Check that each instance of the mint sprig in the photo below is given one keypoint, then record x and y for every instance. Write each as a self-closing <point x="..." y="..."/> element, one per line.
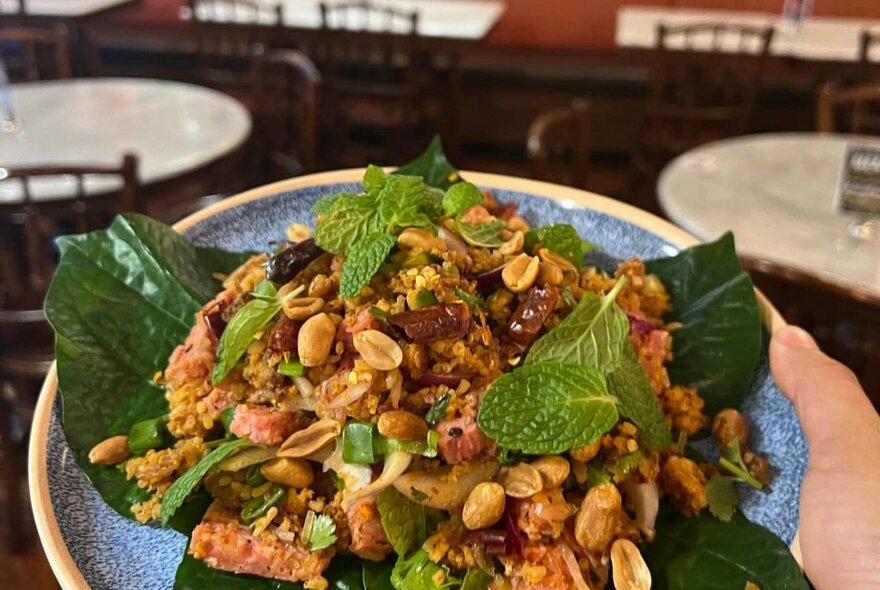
<point x="562" y="238"/>
<point x="363" y="261"/>
<point x="461" y="197"/>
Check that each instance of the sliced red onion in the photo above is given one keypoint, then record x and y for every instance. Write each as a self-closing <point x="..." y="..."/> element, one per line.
<point x="447" y="379"/>
<point x="513" y="542"/>
<point x="489" y="278"/>
<point x="350" y="395"/>
<point x="453" y="242"/>
<point x="639" y="324"/>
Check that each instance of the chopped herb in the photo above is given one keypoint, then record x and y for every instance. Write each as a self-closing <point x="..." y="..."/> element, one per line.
<point x="474" y="301"/>
<point x="461" y="197"/>
<point x="425" y="298"/>
<point x="254" y="476"/>
<point x="291" y="368"/>
<point x="379" y="313"/>
<point x="418" y="494"/>
<point x="568" y="296"/>
<point x="258" y="507"/>
<point x="438" y="409"/>
<point x="323" y="533"/>
<point x="722" y="496"/>
<point x="483" y="235"/>
<point x="733" y="463"/>
<point x="147" y="434"/>
<point x="226" y="417"/>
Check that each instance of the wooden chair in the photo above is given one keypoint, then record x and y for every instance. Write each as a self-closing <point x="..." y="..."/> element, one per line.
<point x="559" y="144"/>
<point x="869" y="55"/>
<point x="286" y="113"/>
<point x="845" y="321"/>
<point x="35" y="54"/>
<point x="855" y="109"/>
<point x="374" y="80"/>
<point x="704" y="88"/>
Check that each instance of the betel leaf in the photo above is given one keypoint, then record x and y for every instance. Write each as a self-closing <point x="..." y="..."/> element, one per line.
<point x="433" y="166"/>
<point x="348" y="220"/>
<point x="718" y="346"/>
<point x="363" y="261"/>
<point x="344" y="573"/>
<point x="403" y="521"/>
<point x="562" y="238"/>
<point x="483" y="235"/>
<point x="547" y="408"/>
<point x="119" y="306"/>
<point x="636" y="402"/>
<point x="461" y="197"/>
<point x="189" y="481"/>
<point x="592" y="335"/>
<point x="703" y="553"/>
<point x="240" y="332"/>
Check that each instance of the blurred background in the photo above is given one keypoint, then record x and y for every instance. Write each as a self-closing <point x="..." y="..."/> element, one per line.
<point x="748" y="115"/>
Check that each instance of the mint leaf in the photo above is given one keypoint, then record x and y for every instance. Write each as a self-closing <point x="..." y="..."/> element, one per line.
<point x="374" y="179"/>
<point x="592" y="335"/>
<point x="323" y="533"/>
<point x="323" y="205"/>
<point x="562" y="238"/>
<point x="405" y="201"/>
<point x="403" y="521"/>
<point x="418" y="572"/>
<point x="433" y="166"/>
<point x="722" y="496"/>
<point x="189" y="481"/>
<point x="547" y="408"/>
<point x="461" y="197"/>
<point x="240" y="332"/>
<point x="484" y="235"/>
<point x="363" y="261"/>
<point x="628" y="383"/>
<point x="348" y="220"/>
<point x="476" y="579"/>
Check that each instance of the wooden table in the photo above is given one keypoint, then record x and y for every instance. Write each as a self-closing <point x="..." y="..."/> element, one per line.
<point x="778" y="194"/>
<point x="62" y="9"/>
<point x="173" y="128"/>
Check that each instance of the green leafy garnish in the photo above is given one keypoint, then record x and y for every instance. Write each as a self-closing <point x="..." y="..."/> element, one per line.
<point x="433" y="166"/>
<point x="403" y="521"/>
<point x="363" y="260"/>
<point x="374" y="179"/>
<point x="323" y="533"/>
<point x="461" y="197"/>
<point x="147" y="434"/>
<point x="562" y="238"/>
<point x="596" y="476"/>
<point x="547" y="408"/>
<point x="405" y="201"/>
<point x="189" y="481"/>
<point x="418" y="572"/>
<point x="258" y="507"/>
<point x="473" y="301"/>
<point x="323" y="205"/>
<point x="722" y="496"/>
<point x="625" y="464"/>
<point x="732" y="462"/>
<point x="568" y="296"/>
<point x="362" y="443"/>
<point x="425" y="298"/>
<point x="476" y="579"/>
<point x="379" y="313"/>
<point x="483" y="235"/>
<point x="348" y="220"/>
<point x="291" y="368"/>
<point x="637" y="402"/>
<point x="438" y="409"/>
<point x="226" y="418"/>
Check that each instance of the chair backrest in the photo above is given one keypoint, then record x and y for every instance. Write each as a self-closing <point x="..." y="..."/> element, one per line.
<point x="854" y="109"/>
<point x="559" y="144"/>
<point x="869" y="55"/>
<point x="35" y="53"/>
<point x="705" y="85"/>
<point x="29" y="224"/>
<point x="844" y="320"/>
<point x="287" y="113"/>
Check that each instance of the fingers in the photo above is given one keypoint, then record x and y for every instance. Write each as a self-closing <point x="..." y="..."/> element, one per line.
<point x="838" y="419"/>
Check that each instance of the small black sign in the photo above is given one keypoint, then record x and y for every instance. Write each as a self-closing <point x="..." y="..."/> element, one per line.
<point x="860" y="182"/>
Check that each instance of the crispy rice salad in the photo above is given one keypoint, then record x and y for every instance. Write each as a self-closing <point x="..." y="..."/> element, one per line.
<point x="428" y="376"/>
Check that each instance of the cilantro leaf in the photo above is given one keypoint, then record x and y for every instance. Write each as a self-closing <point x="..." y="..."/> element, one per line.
<point x="363" y="261"/>
<point x="323" y="533"/>
<point x="461" y="197"/>
<point x="403" y="521"/>
<point x="485" y="235"/>
<point x="547" y="408"/>
<point x="722" y="496"/>
<point x="374" y="179"/>
<point x="348" y="221"/>
<point x="562" y="238"/>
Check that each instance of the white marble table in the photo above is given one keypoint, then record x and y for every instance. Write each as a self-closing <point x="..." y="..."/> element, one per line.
<point x="818" y="38"/>
<point x="61" y="8"/>
<point x="778" y="194"/>
<point x="449" y="19"/>
<point x="173" y="128"/>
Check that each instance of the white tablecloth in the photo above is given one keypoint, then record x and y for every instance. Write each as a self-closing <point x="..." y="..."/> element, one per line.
<point x="778" y="194"/>
<point x="173" y="128"/>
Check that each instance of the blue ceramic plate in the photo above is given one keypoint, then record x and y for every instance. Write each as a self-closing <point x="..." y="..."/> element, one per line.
<point x="89" y="545"/>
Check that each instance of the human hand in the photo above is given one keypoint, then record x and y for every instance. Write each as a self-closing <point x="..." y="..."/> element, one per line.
<point x="840" y="495"/>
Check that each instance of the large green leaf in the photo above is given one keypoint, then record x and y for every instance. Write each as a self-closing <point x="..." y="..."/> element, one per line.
<point x="704" y="553"/>
<point x="433" y="166"/>
<point x="121" y="300"/>
<point x="719" y="344"/>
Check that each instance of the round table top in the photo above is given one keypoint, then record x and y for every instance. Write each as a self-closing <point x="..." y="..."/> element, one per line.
<point x="173" y="128"/>
<point x="778" y="193"/>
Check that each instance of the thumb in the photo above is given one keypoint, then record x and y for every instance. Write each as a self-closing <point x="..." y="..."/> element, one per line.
<point x="841" y="425"/>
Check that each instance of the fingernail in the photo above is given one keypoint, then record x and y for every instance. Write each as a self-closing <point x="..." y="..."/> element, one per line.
<point x="794" y="337"/>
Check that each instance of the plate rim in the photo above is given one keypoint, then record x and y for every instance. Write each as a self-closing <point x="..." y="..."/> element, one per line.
<point x="63" y="566"/>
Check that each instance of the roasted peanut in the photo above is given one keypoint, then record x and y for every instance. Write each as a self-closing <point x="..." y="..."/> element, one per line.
<point x="520" y="273"/>
<point x="321" y="286"/>
<point x="598" y="518"/>
<point x="484" y="506"/>
<point x="111" y="451"/>
<point x="549" y="274"/>
<point x="296" y="473"/>
<point x="297" y="232"/>
<point x="521" y="480"/>
<point x="402" y="425"/>
<point x="585" y="453"/>
<point x="729" y="424"/>
<point x="302" y="308"/>
<point x="378" y="350"/>
<point x="418" y="238"/>
<point x="311" y="439"/>
<point x="517" y="223"/>
<point x="628" y="567"/>
<point x="514" y="245"/>
<point x="315" y="340"/>
<point x="547" y="255"/>
<point x="553" y="470"/>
